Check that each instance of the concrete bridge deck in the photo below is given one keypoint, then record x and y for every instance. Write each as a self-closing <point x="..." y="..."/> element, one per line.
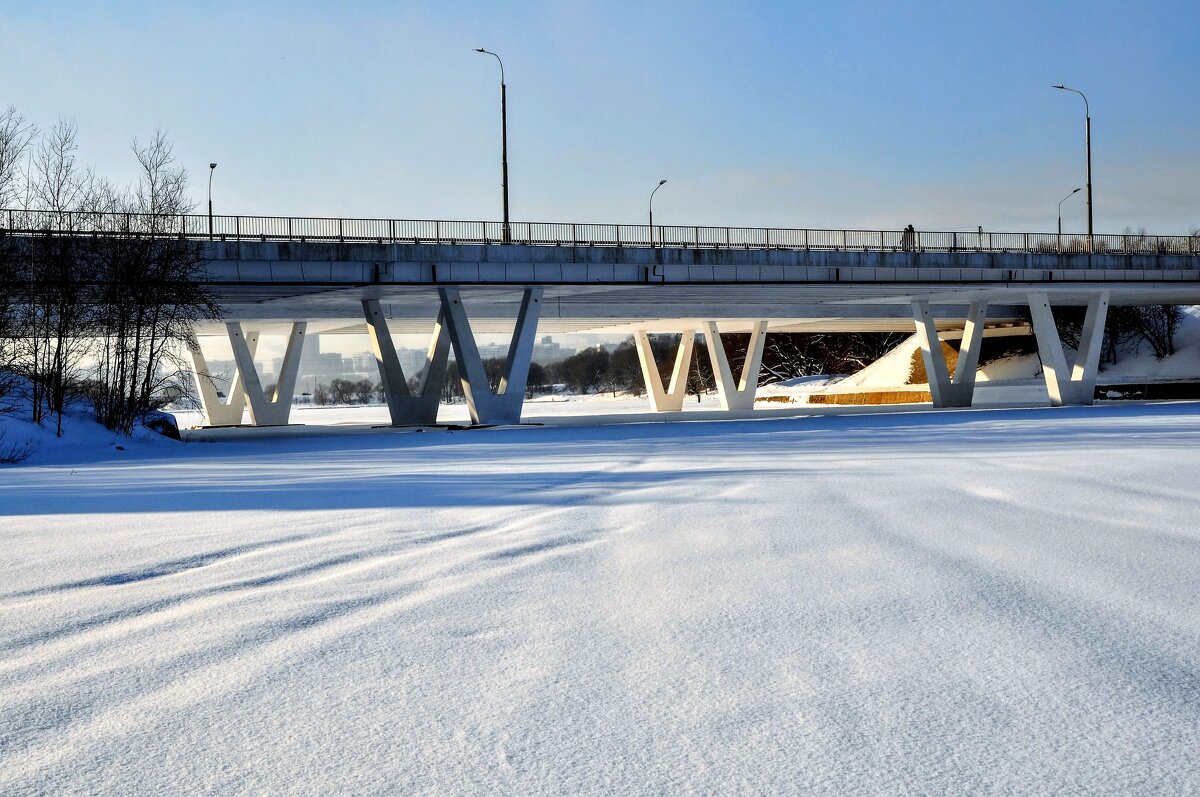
<point x="597" y="288"/>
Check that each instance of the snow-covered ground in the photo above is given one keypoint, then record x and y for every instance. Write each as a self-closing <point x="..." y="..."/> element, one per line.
<point x="935" y="602"/>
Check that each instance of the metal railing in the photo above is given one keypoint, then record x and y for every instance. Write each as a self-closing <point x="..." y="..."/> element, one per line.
<point x="292" y="228"/>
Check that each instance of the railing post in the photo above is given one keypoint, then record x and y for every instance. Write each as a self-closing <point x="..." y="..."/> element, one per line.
<point x="341" y="239"/>
<point x="437" y="231"/>
<point x="881" y="240"/>
<point x="574" y="240"/>
<point x="1026" y="242"/>
<point x="768" y="231"/>
<point x="237" y="228"/>
<point x="391" y="231"/>
<point x="726" y="237"/>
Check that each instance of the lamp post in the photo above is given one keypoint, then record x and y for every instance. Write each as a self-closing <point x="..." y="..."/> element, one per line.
<point x="1087" y="131"/>
<point x="507" y="233"/>
<point x="1064" y="199"/>
<point x="211" y="168"/>
<point x="661" y="183"/>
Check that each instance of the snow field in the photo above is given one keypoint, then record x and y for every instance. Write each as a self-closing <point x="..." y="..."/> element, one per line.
<point x="950" y="602"/>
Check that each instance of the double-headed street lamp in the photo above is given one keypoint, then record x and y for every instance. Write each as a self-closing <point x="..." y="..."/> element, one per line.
<point x="211" y="168"/>
<point x="507" y="233"/>
<point x="1087" y="129"/>
<point x="661" y="183"/>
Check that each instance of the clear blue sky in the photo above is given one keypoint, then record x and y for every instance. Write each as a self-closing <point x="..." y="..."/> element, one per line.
<point x="759" y="113"/>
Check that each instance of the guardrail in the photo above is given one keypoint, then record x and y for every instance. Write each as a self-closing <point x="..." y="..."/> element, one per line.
<point x="290" y="228"/>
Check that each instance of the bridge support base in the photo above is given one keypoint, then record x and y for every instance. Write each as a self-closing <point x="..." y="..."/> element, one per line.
<point x="946" y="390"/>
<point x="671" y="399"/>
<point x="736" y="395"/>
<point x="504" y="404"/>
<point x="276" y="409"/>
<point x="1075" y="384"/>
<point x="216" y="412"/>
<point x="408" y="406"/>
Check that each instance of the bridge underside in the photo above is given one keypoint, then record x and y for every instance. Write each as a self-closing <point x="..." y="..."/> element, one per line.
<point x="842" y="307"/>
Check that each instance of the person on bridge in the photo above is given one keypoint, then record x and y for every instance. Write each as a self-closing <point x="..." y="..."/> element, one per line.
<point x="908" y="240"/>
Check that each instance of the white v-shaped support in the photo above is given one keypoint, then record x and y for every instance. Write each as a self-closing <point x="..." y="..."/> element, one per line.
<point x="946" y="390"/>
<point x="406" y="406"/>
<point x="503" y="405"/>
<point x="264" y="411"/>
<point x="1074" y="384"/>
<point x="737" y="395"/>
<point x="671" y="399"/>
<point x="216" y="412"/>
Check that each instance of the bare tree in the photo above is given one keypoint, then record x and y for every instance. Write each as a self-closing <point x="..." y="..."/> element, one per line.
<point x="364" y="390"/>
<point x="54" y="308"/>
<point x="16" y="134"/>
<point x="151" y="293"/>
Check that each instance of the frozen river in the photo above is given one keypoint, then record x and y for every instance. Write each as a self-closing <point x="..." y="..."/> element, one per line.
<point x="950" y="602"/>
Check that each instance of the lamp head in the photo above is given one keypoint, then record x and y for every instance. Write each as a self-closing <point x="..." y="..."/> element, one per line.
<point x="662" y="182"/>
<point x="212" y="165"/>
<point x="1077" y="190"/>
<point x="480" y="50"/>
<point x="1059" y="86"/>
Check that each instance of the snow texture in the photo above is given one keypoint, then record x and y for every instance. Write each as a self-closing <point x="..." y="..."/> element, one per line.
<point x="939" y="602"/>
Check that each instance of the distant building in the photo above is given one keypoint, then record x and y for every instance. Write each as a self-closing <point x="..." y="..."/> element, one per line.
<point x="546" y="351"/>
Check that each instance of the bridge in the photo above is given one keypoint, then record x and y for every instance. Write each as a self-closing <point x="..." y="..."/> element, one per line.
<point x="455" y="279"/>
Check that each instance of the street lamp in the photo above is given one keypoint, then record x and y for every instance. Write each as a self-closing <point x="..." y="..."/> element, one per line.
<point x="507" y="233"/>
<point x="661" y="183"/>
<point x="1087" y="128"/>
<point x="211" y="168"/>
<point x="1064" y="199"/>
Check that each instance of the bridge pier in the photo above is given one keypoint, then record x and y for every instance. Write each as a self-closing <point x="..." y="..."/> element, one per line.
<point x="406" y="406"/>
<point x="739" y="394"/>
<point x="216" y="412"/>
<point x="1076" y="383"/>
<point x="246" y="389"/>
<point x="504" y="404"/>
<point x="946" y="390"/>
<point x="671" y="399"/>
<point x="276" y="409"/>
